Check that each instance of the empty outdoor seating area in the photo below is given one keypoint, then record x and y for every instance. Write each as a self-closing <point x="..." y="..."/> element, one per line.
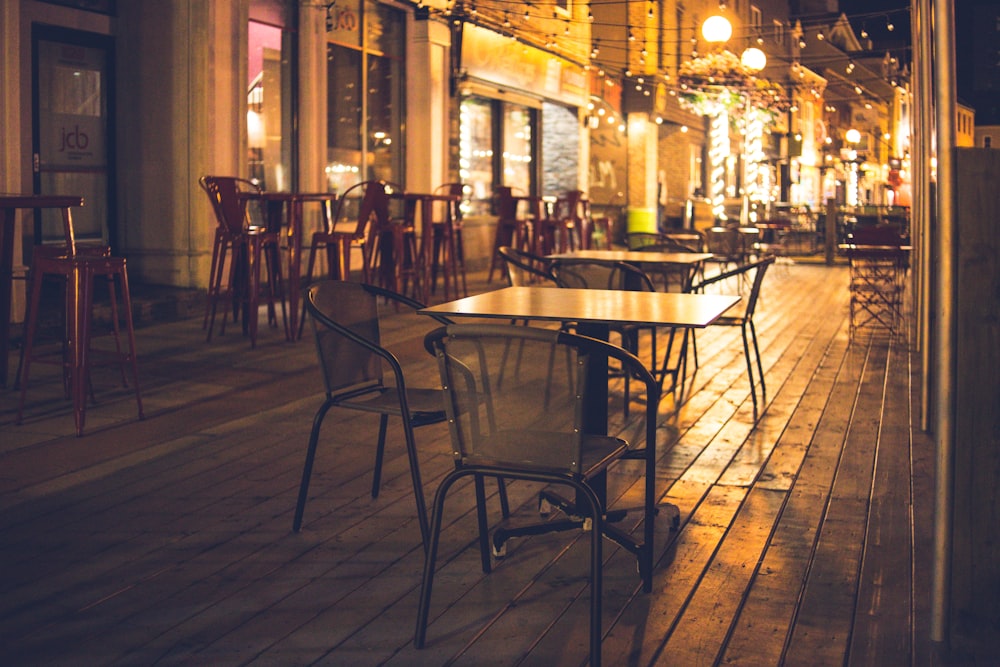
<point x="720" y="523"/>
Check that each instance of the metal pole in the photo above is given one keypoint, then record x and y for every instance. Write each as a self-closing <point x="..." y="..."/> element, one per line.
<point x="921" y="155"/>
<point x="943" y="302"/>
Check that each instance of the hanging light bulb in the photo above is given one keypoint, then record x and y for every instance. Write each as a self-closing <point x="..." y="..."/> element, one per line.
<point x="820" y="36"/>
<point x="802" y="43"/>
<point x="850" y="66"/>
<point x="864" y="33"/>
<point x="888" y="24"/>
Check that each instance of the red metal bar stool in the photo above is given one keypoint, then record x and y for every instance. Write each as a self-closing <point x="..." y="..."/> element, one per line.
<point x="449" y="250"/>
<point x="79" y="270"/>
<point x="511" y="231"/>
<point x="248" y="247"/>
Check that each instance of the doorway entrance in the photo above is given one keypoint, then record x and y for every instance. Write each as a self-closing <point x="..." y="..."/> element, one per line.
<point x="73" y="145"/>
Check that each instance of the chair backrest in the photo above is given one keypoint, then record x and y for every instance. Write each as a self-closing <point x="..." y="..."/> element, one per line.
<point x="230" y="211"/>
<point x="348" y="334"/>
<point x="504" y="204"/>
<point x="454" y="209"/>
<point x="749" y="288"/>
<point x="365" y="204"/>
<point x="724" y="242"/>
<point x="525" y="268"/>
<point x="597" y="274"/>
<point x="515" y="395"/>
<point x="571" y="205"/>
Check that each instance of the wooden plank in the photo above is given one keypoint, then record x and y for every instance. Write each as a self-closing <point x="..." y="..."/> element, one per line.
<point x="826" y="611"/>
<point x="882" y="627"/>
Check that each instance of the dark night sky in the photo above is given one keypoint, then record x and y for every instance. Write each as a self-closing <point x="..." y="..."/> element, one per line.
<point x="978" y="76"/>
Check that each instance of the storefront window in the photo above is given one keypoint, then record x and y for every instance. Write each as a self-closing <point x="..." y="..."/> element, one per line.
<point x="365" y="94"/>
<point x="517" y="147"/>
<point x="269" y="99"/>
<point x="497" y="147"/>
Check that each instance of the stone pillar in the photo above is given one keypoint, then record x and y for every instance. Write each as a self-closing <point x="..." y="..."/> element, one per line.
<point x="427" y="105"/>
<point x="182" y="114"/>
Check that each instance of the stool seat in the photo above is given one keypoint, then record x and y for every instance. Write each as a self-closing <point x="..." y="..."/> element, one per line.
<point x="80" y="272"/>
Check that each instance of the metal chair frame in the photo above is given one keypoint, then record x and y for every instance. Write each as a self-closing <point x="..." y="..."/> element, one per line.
<point x="583" y="470"/>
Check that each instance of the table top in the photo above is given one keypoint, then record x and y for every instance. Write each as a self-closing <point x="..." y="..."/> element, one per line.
<point x="39" y="201"/>
<point x="425" y="196"/>
<point x="636" y="256"/>
<point x="859" y="247"/>
<point x="591" y="305"/>
<point x="268" y="195"/>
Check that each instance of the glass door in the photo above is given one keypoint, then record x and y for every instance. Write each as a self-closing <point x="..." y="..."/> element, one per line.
<point x="73" y="147"/>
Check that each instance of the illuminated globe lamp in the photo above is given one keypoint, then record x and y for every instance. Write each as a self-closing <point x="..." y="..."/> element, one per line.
<point x="753" y="59"/>
<point x="716" y="29"/>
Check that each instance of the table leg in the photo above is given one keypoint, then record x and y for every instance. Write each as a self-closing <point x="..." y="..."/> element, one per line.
<point x="6" y="285"/>
<point x="294" y="267"/>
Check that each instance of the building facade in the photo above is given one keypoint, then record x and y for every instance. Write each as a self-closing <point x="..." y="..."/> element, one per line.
<point x="128" y="103"/>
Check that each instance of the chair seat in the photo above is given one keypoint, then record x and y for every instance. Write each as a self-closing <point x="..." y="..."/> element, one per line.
<point x="507" y="446"/>
<point x="426" y="405"/>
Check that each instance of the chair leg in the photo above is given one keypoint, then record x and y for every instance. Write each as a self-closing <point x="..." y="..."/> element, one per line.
<point x="423" y="607"/>
<point x="753" y="388"/>
<point x="484" y="530"/>
<point x="760" y="365"/>
<point x="418" y="487"/>
<point x="383" y="424"/>
<point x="130" y="335"/>
<point x="215" y="288"/>
<point x="300" y="506"/>
<point x="81" y="300"/>
<point x="29" y="339"/>
<point x="253" y="293"/>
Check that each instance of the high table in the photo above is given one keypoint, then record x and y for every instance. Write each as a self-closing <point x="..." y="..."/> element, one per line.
<point x="292" y="204"/>
<point x="424" y="203"/>
<point x="9" y="203"/>
<point x="592" y="310"/>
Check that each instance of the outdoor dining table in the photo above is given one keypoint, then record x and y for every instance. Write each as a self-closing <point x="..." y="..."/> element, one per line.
<point x="592" y="311"/>
<point x="689" y="260"/>
<point x="9" y="204"/>
<point x="291" y="204"/>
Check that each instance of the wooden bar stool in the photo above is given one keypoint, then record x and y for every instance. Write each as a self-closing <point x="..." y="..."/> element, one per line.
<point x="80" y="270"/>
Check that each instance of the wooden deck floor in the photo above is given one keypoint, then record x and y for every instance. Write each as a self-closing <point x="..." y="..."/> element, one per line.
<point x="804" y="537"/>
